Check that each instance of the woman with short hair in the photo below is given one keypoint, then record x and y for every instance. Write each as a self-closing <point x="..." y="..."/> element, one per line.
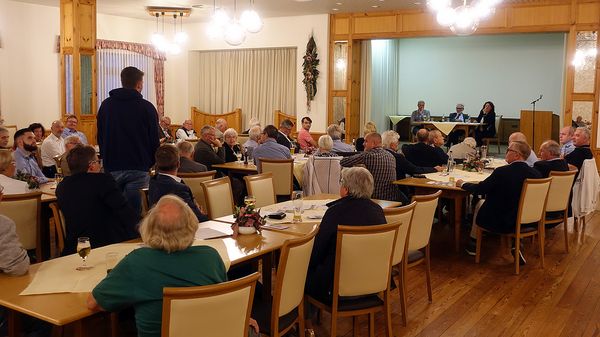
<point x="325" y="146"/>
<point x="7" y="172"/>
<point x="231" y="145"/>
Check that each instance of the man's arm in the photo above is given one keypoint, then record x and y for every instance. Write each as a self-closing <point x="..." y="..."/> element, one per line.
<point x="353" y="160"/>
<point x="13" y="257"/>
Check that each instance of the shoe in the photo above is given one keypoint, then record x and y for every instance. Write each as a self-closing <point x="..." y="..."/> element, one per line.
<point x="522" y="260"/>
<point x="471" y="248"/>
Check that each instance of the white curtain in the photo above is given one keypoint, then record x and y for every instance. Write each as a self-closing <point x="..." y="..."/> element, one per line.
<point x="365" y="84"/>
<point x="110" y="64"/>
<point x="258" y="81"/>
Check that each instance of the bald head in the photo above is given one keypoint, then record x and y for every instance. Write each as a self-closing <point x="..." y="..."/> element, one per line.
<point x="566" y="134"/>
<point x="423" y="136"/>
<point x="517" y="137"/>
<point x="57" y="128"/>
<point x="372" y="140"/>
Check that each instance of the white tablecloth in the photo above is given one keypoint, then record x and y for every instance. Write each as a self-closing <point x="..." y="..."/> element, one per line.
<point x="473" y="177"/>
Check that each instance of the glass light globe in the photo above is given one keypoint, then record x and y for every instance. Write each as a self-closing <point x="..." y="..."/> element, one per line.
<point x="436" y="5"/>
<point x="174" y="48"/>
<point x="235" y="34"/>
<point x="181" y="37"/>
<point x="251" y="21"/>
<point x="483" y="9"/>
<point x="340" y="64"/>
<point x="466" y="22"/>
<point x="159" y="41"/>
<point x="220" y="18"/>
<point x="446" y="17"/>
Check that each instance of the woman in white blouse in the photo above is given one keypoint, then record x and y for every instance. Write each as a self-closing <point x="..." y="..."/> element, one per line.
<point x="7" y="171"/>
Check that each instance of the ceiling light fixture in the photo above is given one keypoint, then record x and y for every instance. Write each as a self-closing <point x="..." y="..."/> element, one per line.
<point x="464" y="19"/>
<point x="159" y="39"/>
<point x="233" y="30"/>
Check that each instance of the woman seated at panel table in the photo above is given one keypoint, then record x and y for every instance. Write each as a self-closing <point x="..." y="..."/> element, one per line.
<point x="167" y="260"/>
<point x="487" y="116"/>
<point x="7" y="172"/>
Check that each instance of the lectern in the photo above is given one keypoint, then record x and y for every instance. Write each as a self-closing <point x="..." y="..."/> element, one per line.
<point x="539" y="126"/>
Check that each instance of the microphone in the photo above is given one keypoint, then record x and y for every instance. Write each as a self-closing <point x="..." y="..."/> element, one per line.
<point x="535" y="101"/>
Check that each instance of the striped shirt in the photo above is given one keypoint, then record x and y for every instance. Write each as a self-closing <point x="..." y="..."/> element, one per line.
<point x="382" y="166"/>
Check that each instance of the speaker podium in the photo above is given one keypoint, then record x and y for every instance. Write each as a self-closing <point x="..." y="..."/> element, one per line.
<point x="538" y="127"/>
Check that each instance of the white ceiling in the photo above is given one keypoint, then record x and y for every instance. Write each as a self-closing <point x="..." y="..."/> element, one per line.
<point x="266" y="8"/>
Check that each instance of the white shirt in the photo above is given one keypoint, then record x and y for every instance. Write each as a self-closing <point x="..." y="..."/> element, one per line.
<point x="176" y="178"/>
<point x="180" y="134"/>
<point x="13" y="186"/>
<point x="52" y="146"/>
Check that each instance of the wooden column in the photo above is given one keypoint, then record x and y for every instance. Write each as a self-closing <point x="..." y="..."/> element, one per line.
<point x="78" y="63"/>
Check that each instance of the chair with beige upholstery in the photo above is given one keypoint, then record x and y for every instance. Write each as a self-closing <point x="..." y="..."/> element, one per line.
<point x="145" y="202"/>
<point x="496" y="138"/>
<point x="215" y="310"/>
<point x="287" y="309"/>
<point x="420" y="232"/>
<point x="219" y="198"/>
<point x="403" y="215"/>
<point x="194" y="180"/>
<point x="558" y="200"/>
<point x="60" y="231"/>
<point x="355" y="291"/>
<point x="532" y="206"/>
<point x="25" y="211"/>
<point x="260" y="186"/>
<point x="283" y="174"/>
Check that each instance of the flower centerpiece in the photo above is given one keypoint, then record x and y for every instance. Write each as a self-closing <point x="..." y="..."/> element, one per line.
<point x="32" y="181"/>
<point x="473" y="164"/>
<point x="247" y="220"/>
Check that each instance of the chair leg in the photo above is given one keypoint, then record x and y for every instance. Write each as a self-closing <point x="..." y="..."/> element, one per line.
<point x="428" y="273"/>
<point x="575" y="224"/>
<point x="402" y="291"/>
<point x="566" y="221"/>
<point x="333" y="322"/>
<point x="371" y="324"/>
<point x="301" y="324"/>
<point x="478" y="244"/>
<point x="114" y="324"/>
<point x="542" y="240"/>
<point x="387" y="310"/>
<point x="517" y="252"/>
<point x="355" y="326"/>
<point x="583" y="223"/>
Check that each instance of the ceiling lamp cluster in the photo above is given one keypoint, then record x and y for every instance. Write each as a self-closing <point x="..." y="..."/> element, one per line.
<point x="159" y="39"/>
<point x="234" y="29"/>
<point x="464" y="19"/>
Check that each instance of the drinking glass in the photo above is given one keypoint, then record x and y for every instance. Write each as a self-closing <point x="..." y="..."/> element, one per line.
<point x="111" y="259"/>
<point x="483" y="151"/>
<point x="249" y="200"/>
<point x="297" y="204"/>
<point x="58" y="177"/>
<point x="239" y="156"/>
<point x="292" y="150"/>
<point x="83" y="249"/>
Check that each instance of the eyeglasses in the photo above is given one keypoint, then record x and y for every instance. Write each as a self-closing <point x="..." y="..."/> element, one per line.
<point x="511" y="150"/>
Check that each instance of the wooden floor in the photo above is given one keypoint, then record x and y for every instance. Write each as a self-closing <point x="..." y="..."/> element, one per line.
<point x="489" y="300"/>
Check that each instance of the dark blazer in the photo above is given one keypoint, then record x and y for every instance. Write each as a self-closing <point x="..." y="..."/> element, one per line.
<point x="230" y="152"/>
<point x="502" y="190"/>
<point x="204" y="154"/>
<point x="404" y="167"/>
<point x="189" y="166"/>
<point x="161" y="185"/>
<point x="424" y="155"/>
<point x="94" y="206"/>
<point x="283" y="140"/>
<point x="545" y="166"/>
<point x="578" y="155"/>
<point x="344" y="211"/>
<point x="452" y="117"/>
<point x="489" y="129"/>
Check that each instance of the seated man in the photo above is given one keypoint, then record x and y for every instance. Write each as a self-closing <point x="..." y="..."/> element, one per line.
<point x="436" y="140"/>
<point x="419" y="115"/>
<point x="422" y="154"/>
<point x="283" y="137"/>
<point x="186" y="159"/>
<point x="70" y="143"/>
<point x="520" y="137"/>
<point x="382" y="164"/>
<point x="390" y="141"/>
<point x="93" y="204"/>
<point x="581" y="140"/>
<point x="457" y="117"/>
<point x="305" y="140"/>
<point x="335" y="132"/>
<point x="353" y="208"/>
<point x="71" y="129"/>
<point x="26" y="149"/>
<point x="550" y="159"/>
<point x="253" y="138"/>
<point x="52" y="146"/>
<point x="464" y="149"/>
<point x="186" y="131"/>
<point x="269" y="147"/>
<point x="164" y="130"/>
<point x="166" y="180"/>
<point x="502" y="190"/>
<point x="204" y="152"/>
<point x="566" y="140"/>
<point x="4" y="138"/>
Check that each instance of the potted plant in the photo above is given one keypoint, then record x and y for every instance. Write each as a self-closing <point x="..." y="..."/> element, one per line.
<point x="247" y="220"/>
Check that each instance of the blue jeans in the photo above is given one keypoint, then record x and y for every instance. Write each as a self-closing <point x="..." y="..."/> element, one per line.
<point x="131" y="182"/>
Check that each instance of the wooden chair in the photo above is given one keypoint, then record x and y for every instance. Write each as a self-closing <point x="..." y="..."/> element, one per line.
<point x="145" y="201"/>
<point x="363" y="264"/>
<point x="532" y="205"/>
<point x="403" y="215"/>
<point x="60" y="229"/>
<point x="25" y="210"/>
<point x="219" y="198"/>
<point x="558" y="200"/>
<point x="283" y="174"/>
<point x="488" y="140"/>
<point x="420" y="232"/>
<point x="194" y="182"/>
<point x="287" y="309"/>
<point x="261" y="187"/>
<point x="215" y="310"/>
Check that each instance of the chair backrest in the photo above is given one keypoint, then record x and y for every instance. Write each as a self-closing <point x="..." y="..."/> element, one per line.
<point x="363" y="259"/>
<point x="322" y="175"/>
<point x="25" y="211"/>
<point x="291" y="276"/>
<point x="498" y="123"/>
<point x="261" y="187"/>
<point x="219" y="198"/>
<point x="145" y="202"/>
<point x="422" y="220"/>
<point x="532" y="203"/>
<point x="560" y="190"/>
<point x="403" y="215"/>
<point x="194" y="180"/>
<point x="216" y="310"/>
<point x="283" y="174"/>
<point x="59" y="225"/>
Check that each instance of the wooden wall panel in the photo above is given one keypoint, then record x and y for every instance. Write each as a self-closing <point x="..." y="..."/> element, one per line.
<point x="375" y="24"/>
<point x="88" y="127"/>
<point x="541" y="15"/>
<point x="67" y="21"/>
<point x="341" y="25"/>
<point x="413" y="22"/>
<point x="498" y="20"/>
<point x="86" y="26"/>
<point x="588" y="13"/>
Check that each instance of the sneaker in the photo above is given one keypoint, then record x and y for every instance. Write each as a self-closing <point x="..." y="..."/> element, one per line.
<point x="471" y="248"/>
<point x="522" y="260"/>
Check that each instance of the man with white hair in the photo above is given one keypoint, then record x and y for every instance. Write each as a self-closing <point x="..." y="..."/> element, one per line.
<point x="581" y="140"/>
<point x="390" y="141"/>
<point x="520" y="137"/>
<point x="52" y="146"/>
<point x="459" y="117"/>
<point x="253" y="138"/>
<point x="186" y="131"/>
<point x="566" y="140"/>
<point x="164" y="131"/>
<point x="335" y="132"/>
<point x="186" y="159"/>
<point x="464" y="149"/>
<point x="550" y="159"/>
<point x="220" y="127"/>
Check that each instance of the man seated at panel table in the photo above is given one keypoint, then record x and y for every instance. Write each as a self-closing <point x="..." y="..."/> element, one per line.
<point x="581" y="140"/>
<point x="335" y="132"/>
<point x="382" y="164"/>
<point x="458" y="117"/>
<point x="166" y="180"/>
<point x="419" y="115"/>
<point x="24" y="154"/>
<point x="353" y="208"/>
<point x="92" y="203"/>
<point x="167" y="259"/>
<point x="186" y="159"/>
<point x="502" y="190"/>
<point x="269" y="147"/>
<point x="52" y="146"/>
<point x="422" y="153"/>
<point x="550" y="159"/>
<point x="520" y="137"/>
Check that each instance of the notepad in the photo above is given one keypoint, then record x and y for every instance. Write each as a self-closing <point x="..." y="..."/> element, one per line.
<point x="209" y="233"/>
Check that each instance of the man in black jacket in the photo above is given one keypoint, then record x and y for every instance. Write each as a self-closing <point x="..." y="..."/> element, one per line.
<point x="186" y="159"/>
<point x="93" y="204"/>
<point x="166" y="180"/>
<point x="550" y="159"/>
<point x="283" y="137"/>
<point x="581" y="140"/>
<point x="422" y="154"/>
<point x="127" y="136"/>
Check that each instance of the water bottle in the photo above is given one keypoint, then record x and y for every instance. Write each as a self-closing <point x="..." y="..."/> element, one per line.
<point x="450" y="164"/>
<point x="483" y="151"/>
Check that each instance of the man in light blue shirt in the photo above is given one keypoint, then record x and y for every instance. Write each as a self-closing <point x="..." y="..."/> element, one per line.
<point x="566" y="140"/>
<point x="24" y="155"/>
<point x="71" y="129"/>
<point x="419" y="115"/>
<point x="269" y="148"/>
<point x="335" y="132"/>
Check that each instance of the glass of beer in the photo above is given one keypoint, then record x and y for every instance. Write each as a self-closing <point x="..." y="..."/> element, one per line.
<point x="297" y="204"/>
<point x="292" y="150"/>
<point x="83" y="249"/>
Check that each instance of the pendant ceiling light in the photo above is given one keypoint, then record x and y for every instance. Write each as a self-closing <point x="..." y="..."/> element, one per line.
<point x="233" y="30"/>
<point x="159" y="39"/>
<point x="464" y="19"/>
